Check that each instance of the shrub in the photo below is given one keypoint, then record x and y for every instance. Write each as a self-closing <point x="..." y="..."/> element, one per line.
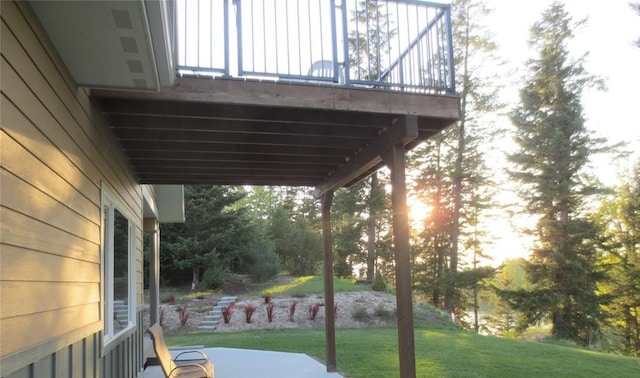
<point x="227" y="312"/>
<point x="313" y="311"/>
<point x="378" y="283"/>
<point x="214" y="271"/>
<point x="360" y="314"/>
<point x="270" y="307"/>
<point x="266" y="266"/>
<point x="292" y="310"/>
<point x="248" y="312"/>
<point x="382" y="312"/>
<point x="213" y="278"/>
<point x="267" y="298"/>
<point x="184" y="315"/>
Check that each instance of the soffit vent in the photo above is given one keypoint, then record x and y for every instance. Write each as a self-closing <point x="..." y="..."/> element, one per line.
<point x="122" y="19"/>
<point x="110" y="44"/>
<point x="129" y="45"/>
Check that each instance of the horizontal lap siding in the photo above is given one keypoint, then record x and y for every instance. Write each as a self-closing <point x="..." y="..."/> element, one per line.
<point x="56" y="153"/>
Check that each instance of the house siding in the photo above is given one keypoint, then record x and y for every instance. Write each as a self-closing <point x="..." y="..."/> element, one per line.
<point x="56" y="153"/>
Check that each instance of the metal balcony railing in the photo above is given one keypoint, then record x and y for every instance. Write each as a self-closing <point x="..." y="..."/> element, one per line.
<point x="400" y="45"/>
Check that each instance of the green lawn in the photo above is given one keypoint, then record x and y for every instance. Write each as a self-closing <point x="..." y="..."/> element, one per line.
<point x="301" y="286"/>
<point x="373" y="352"/>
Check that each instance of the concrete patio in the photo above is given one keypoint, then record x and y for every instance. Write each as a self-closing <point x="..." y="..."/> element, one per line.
<point x="246" y="363"/>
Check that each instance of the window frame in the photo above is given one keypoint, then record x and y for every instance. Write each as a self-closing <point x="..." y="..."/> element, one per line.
<point x="110" y="203"/>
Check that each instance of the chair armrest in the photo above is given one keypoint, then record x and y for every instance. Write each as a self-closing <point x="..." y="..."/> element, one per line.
<point x="204" y="356"/>
<point x="206" y="373"/>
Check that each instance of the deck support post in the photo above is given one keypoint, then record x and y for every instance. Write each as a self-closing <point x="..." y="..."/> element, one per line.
<point x="395" y="160"/>
<point x="151" y="226"/>
<point x="330" y="326"/>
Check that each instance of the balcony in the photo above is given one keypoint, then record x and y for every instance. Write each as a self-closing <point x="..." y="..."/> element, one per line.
<point x="390" y="45"/>
<point x="287" y="92"/>
<point x="263" y="92"/>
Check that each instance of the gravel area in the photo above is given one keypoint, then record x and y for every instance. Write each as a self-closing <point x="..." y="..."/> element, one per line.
<point x="355" y="309"/>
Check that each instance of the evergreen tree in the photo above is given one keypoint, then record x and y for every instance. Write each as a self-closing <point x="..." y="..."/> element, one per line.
<point x="619" y="218"/>
<point x="553" y="150"/>
<point x="370" y="34"/>
<point x="217" y="236"/>
<point x="473" y="45"/>
<point x="369" y="40"/>
<point x="376" y="206"/>
<point x="294" y="226"/>
<point x="501" y="319"/>
<point x="453" y="176"/>
<point x="349" y="224"/>
<point x="431" y="250"/>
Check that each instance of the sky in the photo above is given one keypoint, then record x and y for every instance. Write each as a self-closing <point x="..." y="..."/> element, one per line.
<point x="608" y="37"/>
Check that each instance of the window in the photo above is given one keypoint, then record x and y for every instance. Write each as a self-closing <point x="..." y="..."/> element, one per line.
<point x="118" y="268"/>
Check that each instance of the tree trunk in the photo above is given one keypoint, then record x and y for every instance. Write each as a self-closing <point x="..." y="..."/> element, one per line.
<point x="455" y="232"/>
<point x="371" y="228"/>
<point x="196" y="278"/>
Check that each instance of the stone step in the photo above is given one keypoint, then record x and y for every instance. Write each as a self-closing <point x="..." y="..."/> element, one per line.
<point x="212" y="319"/>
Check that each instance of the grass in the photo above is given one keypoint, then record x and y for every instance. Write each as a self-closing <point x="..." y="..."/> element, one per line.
<point x="303" y="286"/>
<point x="439" y="352"/>
<point x="181" y="293"/>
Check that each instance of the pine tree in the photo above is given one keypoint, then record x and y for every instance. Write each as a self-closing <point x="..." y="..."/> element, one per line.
<point x="453" y="176"/>
<point x="553" y="150"/>
<point x="369" y="40"/>
<point x="206" y="233"/>
<point x="473" y="45"/>
<point x="619" y="217"/>
<point x="349" y="222"/>
<point x="294" y="226"/>
<point x="376" y="203"/>
<point x="501" y="319"/>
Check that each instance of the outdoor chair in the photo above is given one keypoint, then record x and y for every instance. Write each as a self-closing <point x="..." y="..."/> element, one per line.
<point x="324" y="69"/>
<point x="178" y="366"/>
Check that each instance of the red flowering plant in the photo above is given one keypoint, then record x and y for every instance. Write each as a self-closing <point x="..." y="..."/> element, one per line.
<point x="248" y="312"/>
<point x="313" y="311"/>
<point x="270" y="307"/>
<point x="292" y="310"/>
<point x="183" y="314"/>
<point x="227" y="312"/>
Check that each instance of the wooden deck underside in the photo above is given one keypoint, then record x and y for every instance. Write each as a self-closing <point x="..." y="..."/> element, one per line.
<point x="205" y="131"/>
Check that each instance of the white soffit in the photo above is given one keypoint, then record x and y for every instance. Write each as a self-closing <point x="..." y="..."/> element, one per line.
<point x="108" y="44"/>
<point x="170" y="203"/>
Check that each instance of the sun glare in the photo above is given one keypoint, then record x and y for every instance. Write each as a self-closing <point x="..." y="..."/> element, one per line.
<point x="418" y="212"/>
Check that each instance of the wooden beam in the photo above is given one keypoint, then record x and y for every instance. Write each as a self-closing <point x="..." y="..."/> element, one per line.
<point x="402" y="131"/>
<point x="252" y="139"/>
<point x="404" y="298"/>
<point x="330" y="326"/>
<point x="239" y="126"/>
<point x="203" y="146"/>
<point x="282" y="94"/>
<point x="112" y="105"/>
